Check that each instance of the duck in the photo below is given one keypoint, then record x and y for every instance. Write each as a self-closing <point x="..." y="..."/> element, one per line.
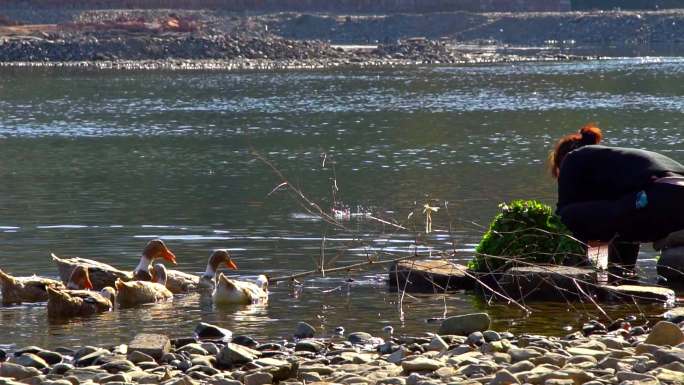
<point x="103" y="275"/>
<point x="207" y="281"/>
<point x="229" y="291"/>
<point x="134" y="293"/>
<point x="77" y="299"/>
<point x="18" y="290"/>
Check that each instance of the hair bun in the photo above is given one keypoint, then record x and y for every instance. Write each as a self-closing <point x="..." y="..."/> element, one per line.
<point x="591" y="134"/>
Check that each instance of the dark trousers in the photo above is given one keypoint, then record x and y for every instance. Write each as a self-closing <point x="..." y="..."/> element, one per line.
<point x="621" y="222"/>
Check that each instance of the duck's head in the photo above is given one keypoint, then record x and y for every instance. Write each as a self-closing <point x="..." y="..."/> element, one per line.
<point x="79" y="279"/>
<point x="262" y="282"/>
<point x="157" y="249"/>
<point x="159" y="274"/>
<point x="109" y="293"/>
<point x="217" y="258"/>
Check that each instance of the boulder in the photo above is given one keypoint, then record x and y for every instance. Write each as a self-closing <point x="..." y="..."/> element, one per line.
<point x="154" y="345"/>
<point x="429" y="276"/>
<point x="665" y="333"/>
<point x="465" y="324"/>
<point x="547" y="282"/>
<point x="304" y="330"/>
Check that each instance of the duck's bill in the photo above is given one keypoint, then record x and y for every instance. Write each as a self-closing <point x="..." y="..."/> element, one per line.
<point x="88" y="284"/>
<point x="169" y="256"/>
<point x="231" y="265"/>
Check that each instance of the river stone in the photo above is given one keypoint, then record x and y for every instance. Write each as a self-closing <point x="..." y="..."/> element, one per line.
<point x="491" y="336"/>
<point x="206" y="330"/>
<point x="258" y="379"/>
<point x="16" y="371"/>
<point x="522" y="354"/>
<point x="360" y="338"/>
<point x="397" y="356"/>
<point x="309" y="345"/>
<point x="421" y="364"/>
<point x="631" y="376"/>
<point x="437" y="344"/>
<point x="30" y="360"/>
<point x="193" y="348"/>
<point x="503" y="377"/>
<point x="320" y="369"/>
<point x="465" y="324"/>
<point x="666" y="356"/>
<point x="61" y="368"/>
<point x="598" y="354"/>
<point x="154" y="345"/>
<point x="665" y="333"/>
<point x="210" y="347"/>
<point x="304" y="330"/>
<point x="138" y="356"/>
<point x="118" y="366"/>
<point x="233" y="354"/>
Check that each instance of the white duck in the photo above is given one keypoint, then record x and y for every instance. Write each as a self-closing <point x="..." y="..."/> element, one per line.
<point x="229" y="291"/>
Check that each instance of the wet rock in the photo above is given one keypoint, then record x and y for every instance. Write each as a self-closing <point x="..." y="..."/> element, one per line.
<point x="665" y="333"/>
<point x="397" y="356"/>
<point x="637" y="293"/>
<point x="421" y="364"/>
<point x="210" y="347"/>
<point x="476" y="338"/>
<point x="491" y="335"/>
<point x="245" y="341"/>
<point x="258" y="379"/>
<point x="465" y="324"/>
<point x="304" y="330"/>
<point x="429" y="275"/>
<point x="154" y="345"/>
<point x="233" y="354"/>
<point x="671" y="265"/>
<point x="30" y="360"/>
<point x="542" y="282"/>
<point x="208" y="370"/>
<point x="209" y="331"/>
<point x="16" y="371"/>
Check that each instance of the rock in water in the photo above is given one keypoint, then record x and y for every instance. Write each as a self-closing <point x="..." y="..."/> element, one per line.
<point x="155" y="345"/>
<point x="30" y="360"/>
<point x="360" y="338"/>
<point x="665" y="333"/>
<point x="547" y="282"/>
<point x="205" y="330"/>
<point x="638" y="293"/>
<point x="465" y="324"/>
<point x="304" y="330"/>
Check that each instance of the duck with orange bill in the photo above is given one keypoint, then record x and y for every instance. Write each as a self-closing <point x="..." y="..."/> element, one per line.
<point x="18" y="290"/>
<point x="103" y="275"/>
<point x="133" y="293"/>
<point x="78" y="300"/>
<point x="220" y="256"/>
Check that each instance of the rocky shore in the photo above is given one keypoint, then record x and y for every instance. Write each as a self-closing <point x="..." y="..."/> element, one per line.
<point x="465" y="351"/>
<point x="125" y="50"/>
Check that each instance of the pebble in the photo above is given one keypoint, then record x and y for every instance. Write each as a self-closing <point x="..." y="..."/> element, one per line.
<point x="465" y="324"/>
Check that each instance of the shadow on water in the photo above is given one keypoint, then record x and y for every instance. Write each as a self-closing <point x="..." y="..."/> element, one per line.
<point x="94" y="164"/>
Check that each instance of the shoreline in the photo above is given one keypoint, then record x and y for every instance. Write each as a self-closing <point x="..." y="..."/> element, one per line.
<point x="277" y="65"/>
<point x="465" y="351"/>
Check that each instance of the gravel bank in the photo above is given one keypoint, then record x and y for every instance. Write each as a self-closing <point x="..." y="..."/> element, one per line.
<point x="465" y="352"/>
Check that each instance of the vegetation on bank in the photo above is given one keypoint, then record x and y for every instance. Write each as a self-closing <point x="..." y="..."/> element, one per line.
<point x="526" y="231"/>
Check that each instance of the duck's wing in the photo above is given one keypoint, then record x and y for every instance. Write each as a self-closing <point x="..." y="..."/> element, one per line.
<point x="101" y="274"/>
<point x="179" y="282"/>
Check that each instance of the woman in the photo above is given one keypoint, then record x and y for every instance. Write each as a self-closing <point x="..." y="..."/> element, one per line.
<point x="618" y="195"/>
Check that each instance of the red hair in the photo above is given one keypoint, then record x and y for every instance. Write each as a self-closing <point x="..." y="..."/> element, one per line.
<point x="587" y="135"/>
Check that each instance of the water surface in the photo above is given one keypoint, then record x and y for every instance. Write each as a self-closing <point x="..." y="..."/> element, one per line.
<point x="95" y="163"/>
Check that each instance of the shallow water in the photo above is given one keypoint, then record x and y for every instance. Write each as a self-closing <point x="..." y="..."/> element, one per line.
<point x="94" y="164"/>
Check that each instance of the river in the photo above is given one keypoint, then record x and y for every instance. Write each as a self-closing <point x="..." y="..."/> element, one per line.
<point x="96" y="163"/>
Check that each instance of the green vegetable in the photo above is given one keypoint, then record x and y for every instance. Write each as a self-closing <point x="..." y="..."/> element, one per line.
<point x="526" y="231"/>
